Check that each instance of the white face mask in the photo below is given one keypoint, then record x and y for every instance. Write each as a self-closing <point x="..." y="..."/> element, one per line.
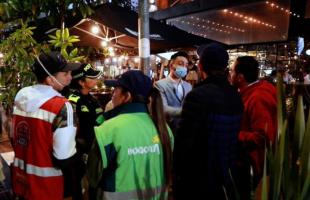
<point x="180" y="71"/>
<point x="60" y="84"/>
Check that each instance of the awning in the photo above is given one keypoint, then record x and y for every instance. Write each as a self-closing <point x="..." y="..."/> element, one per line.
<point x="122" y="24"/>
<point x="239" y="22"/>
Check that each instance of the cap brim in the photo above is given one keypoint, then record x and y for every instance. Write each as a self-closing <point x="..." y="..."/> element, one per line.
<point x="71" y="67"/>
<point x="94" y="74"/>
<point x="112" y="83"/>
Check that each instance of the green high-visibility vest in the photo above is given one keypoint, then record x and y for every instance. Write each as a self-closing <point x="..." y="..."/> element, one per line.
<point x="132" y="157"/>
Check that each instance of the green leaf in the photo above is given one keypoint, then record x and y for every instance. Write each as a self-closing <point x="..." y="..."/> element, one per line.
<point x="73" y="40"/>
<point x="53" y="42"/>
<point x="58" y="44"/>
<point x="305" y="194"/>
<point x="58" y="34"/>
<point x="299" y="128"/>
<point x="278" y="166"/>
<point x="74" y="52"/>
<point x="66" y="34"/>
<point x="64" y="53"/>
<point x="52" y="37"/>
<point x="265" y="178"/>
<point x="305" y="153"/>
<point x="280" y="96"/>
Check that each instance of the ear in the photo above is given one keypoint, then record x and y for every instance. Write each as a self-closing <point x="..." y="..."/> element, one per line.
<point x="49" y="80"/>
<point x="170" y="66"/>
<point x="240" y="78"/>
<point x="81" y="83"/>
<point x="128" y="97"/>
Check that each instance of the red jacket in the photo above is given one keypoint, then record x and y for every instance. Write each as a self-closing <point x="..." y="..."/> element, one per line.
<point x="34" y="176"/>
<point x="259" y="122"/>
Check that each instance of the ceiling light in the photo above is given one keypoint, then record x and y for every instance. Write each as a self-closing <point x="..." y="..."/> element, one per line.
<point x="308" y="52"/>
<point x="95" y="29"/>
<point x="104" y="43"/>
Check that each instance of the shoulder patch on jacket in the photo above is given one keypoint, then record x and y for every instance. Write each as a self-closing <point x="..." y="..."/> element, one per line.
<point x="74" y="98"/>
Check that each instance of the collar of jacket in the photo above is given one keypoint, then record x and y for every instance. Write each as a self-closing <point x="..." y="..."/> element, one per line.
<point x="126" y="108"/>
<point x="216" y="79"/>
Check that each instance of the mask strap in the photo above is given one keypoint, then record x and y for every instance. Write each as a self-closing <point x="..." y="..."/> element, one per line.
<point x="48" y="72"/>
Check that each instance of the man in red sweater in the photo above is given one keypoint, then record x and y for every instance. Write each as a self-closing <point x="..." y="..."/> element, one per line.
<point x="258" y="123"/>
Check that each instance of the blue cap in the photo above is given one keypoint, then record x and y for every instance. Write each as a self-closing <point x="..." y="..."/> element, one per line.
<point x="134" y="81"/>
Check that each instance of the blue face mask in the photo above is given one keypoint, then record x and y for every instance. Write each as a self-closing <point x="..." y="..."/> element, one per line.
<point x="180" y="71"/>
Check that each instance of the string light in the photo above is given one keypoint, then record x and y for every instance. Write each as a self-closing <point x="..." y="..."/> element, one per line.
<point x="287" y="11"/>
<point x="218" y="24"/>
<point x="215" y="26"/>
<point x="248" y="19"/>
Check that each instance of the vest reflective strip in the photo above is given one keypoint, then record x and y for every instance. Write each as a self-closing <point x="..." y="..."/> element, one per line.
<point x="39" y="114"/>
<point x="35" y="170"/>
<point x="136" y="194"/>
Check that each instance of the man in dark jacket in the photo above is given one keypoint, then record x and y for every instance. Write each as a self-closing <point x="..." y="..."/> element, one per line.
<point x="205" y="144"/>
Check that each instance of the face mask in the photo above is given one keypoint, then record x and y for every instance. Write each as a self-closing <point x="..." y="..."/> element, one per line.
<point x="180" y="71"/>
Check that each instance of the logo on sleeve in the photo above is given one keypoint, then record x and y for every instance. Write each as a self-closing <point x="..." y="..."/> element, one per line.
<point x="84" y="108"/>
<point x="22" y="133"/>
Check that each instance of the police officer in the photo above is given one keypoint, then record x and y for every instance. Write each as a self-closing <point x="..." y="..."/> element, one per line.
<point x="88" y="112"/>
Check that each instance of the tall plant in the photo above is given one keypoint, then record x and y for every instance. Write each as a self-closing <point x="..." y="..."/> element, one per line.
<point x="20" y="47"/>
<point x="19" y="50"/>
<point x="289" y="163"/>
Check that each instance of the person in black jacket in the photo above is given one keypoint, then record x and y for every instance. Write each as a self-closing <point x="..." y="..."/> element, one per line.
<point x="89" y="114"/>
<point x="205" y="143"/>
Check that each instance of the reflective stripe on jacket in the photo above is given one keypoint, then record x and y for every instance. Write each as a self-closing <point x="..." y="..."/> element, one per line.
<point x="34" y="176"/>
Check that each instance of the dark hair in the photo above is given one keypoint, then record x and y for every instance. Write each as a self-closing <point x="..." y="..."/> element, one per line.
<point x="248" y="66"/>
<point x="41" y="77"/>
<point x="213" y="58"/>
<point x="159" y="119"/>
<point x="135" y="98"/>
<point x="179" y="53"/>
<point x="75" y="83"/>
